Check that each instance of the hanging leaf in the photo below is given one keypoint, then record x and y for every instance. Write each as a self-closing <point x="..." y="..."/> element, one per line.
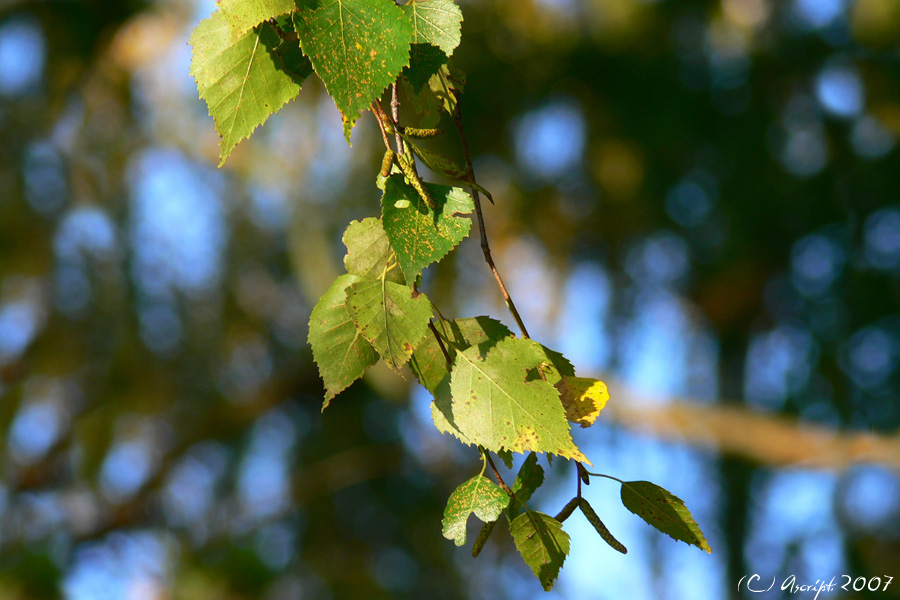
<point x="543" y="544"/>
<point x="430" y="364"/>
<point x="425" y="61"/>
<point x="239" y="78"/>
<point x="663" y="510"/>
<point x="529" y="479"/>
<point x="583" y="398"/>
<point x="358" y="47"/>
<point x="340" y="352"/>
<point x="369" y="251"/>
<point x="478" y="495"/>
<point x="389" y="317"/>
<point x="436" y="22"/>
<point x="243" y="15"/>
<point x="419" y="235"/>
<point x="494" y="406"/>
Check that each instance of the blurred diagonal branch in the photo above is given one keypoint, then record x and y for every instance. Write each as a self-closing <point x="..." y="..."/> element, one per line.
<point x="768" y="439"/>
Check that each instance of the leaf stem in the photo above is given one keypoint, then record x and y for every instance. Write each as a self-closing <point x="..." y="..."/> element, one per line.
<point x="378" y="118"/>
<point x="606" y="476"/>
<point x="440" y="342"/>
<point x="395" y="115"/>
<point x="500" y="481"/>
<point x="485" y="246"/>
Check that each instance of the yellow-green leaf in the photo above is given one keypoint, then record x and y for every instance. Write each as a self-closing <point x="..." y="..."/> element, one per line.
<point x="583" y="398"/>
<point x="663" y="510"/>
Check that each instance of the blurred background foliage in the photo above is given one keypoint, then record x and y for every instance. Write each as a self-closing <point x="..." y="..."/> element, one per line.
<point x="697" y="200"/>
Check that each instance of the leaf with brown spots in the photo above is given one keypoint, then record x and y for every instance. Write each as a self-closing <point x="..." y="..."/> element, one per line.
<point x="388" y="316"/>
<point x="419" y="235"/>
<point x="357" y="47"/>
<point x="494" y="406"/>
<point x="664" y="510"/>
<point x="478" y="495"/>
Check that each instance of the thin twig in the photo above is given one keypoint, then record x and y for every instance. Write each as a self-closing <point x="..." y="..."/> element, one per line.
<point x="500" y="481"/>
<point x="378" y="118"/>
<point x="395" y="115"/>
<point x="485" y="246"/>
<point x="440" y="343"/>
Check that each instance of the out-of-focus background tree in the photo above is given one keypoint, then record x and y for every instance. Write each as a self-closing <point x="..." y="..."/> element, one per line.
<point x="698" y="200"/>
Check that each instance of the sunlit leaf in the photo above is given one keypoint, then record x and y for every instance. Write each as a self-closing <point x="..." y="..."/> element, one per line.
<point x="389" y="317"/>
<point x="435" y="22"/>
<point x="357" y="47"/>
<point x="419" y="235"/>
<point x="663" y="510"/>
<point x="243" y="15"/>
<point x="494" y="406"/>
<point x="239" y="78"/>
<point x="340" y="352"/>
<point x="583" y="398"/>
<point x="369" y="251"/>
<point x="543" y="544"/>
<point x="478" y="495"/>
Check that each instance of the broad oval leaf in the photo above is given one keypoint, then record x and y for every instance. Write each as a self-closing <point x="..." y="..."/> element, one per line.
<point x="357" y="47"/>
<point x="242" y="79"/>
<point x="243" y="15"/>
<point x="389" y="317"/>
<point x="494" y="406"/>
<point x="478" y="495"/>
<point x="543" y="544"/>
<point x="436" y="22"/>
<point x="339" y="350"/>
<point x="583" y="398"/>
<point x="419" y="235"/>
<point x="663" y="510"/>
<point x="369" y="251"/>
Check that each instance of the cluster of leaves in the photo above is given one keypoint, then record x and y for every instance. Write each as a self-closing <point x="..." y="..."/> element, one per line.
<point x="491" y="389"/>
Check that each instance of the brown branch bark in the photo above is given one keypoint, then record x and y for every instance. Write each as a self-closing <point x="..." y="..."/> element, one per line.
<point x="485" y="246"/>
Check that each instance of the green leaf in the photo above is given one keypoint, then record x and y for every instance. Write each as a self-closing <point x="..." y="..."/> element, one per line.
<point x="429" y="363"/>
<point x="663" y="510"/>
<point x="338" y="349"/>
<point x="239" y="78"/>
<point x="529" y="479"/>
<point x="436" y="22"/>
<point x="495" y="407"/>
<point x="244" y="15"/>
<point x="369" y="251"/>
<point x="358" y="47"/>
<point x="418" y="235"/>
<point x="507" y="458"/>
<point x="478" y="495"/>
<point x="542" y="543"/>
<point x="425" y="61"/>
<point x="387" y="315"/>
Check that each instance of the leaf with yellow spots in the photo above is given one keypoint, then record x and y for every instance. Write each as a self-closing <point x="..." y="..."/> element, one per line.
<point x="478" y="495"/>
<point x="582" y="398"/>
<point x="418" y="234"/>
<point x="493" y="405"/>
<point x="357" y="47"/>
